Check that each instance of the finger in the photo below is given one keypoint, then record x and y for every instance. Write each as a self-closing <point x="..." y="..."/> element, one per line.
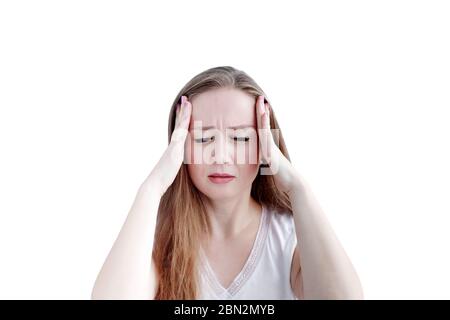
<point x="265" y="120"/>
<point x="179" y="112"/>
<point x="269" y="155"/>
<point x="266" y="117"/>
<point x="177" y="115"/>
<point x="185" y="116"/>
<point x="263" y="130"/>
<point x="272" y="152"/>
<point x="182" y="122"/>
<point x="258" y="125"/>
<point x="258" y="111"/>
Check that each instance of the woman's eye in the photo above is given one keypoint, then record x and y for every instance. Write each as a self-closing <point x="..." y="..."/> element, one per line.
<point x="203" y="140"/>
<point x="242" y="139"/>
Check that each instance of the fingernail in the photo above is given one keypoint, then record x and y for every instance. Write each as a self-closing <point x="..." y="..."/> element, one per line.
<point x="183" y="100"/>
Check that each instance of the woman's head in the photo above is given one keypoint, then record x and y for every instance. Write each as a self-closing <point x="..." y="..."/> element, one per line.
<point x="222" y="139"/>
<point x="222" y="97"/>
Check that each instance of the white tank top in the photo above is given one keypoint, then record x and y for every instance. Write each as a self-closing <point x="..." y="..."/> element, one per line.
<point x="266" y="273"/>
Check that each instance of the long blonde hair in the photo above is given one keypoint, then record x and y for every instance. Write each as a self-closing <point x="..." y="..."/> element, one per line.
<point x="182" y="215"/>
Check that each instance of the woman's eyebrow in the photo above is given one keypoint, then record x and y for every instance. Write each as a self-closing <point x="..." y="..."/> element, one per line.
<point x="232" y="127"/>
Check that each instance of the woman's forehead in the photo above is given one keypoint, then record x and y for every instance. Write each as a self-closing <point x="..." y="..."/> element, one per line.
<point x="224" y="108"/>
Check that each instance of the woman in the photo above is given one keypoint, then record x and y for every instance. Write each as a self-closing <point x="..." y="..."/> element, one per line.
<point x="220" y="214"/>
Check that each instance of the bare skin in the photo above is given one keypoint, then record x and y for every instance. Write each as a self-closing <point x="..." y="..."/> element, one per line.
<point x="227" y="267"/>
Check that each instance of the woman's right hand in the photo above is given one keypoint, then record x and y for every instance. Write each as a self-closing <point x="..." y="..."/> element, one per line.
<point x="127" y="272"/>
<point x="165" y="171"/>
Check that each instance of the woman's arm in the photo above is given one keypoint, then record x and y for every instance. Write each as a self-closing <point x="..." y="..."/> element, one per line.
<point x="128" y="272"/>
<point x="326" y="270"/>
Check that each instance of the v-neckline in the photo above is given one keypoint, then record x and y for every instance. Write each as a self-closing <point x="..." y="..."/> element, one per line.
<point x="248" y="267"/>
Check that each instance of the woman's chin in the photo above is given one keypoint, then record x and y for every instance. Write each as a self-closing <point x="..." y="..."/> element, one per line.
<point x="215" y="193"/>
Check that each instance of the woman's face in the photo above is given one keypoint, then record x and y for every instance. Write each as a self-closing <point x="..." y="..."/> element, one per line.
<point x="223" y="139"/>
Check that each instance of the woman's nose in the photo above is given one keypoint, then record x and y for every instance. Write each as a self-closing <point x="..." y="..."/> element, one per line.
<point x="222" y="153"/>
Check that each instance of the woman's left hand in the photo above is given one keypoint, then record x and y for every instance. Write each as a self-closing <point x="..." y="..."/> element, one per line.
<point x="285" y="176"/>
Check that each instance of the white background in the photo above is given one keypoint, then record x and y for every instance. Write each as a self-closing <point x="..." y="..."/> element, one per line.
<point x="360" y="89"/>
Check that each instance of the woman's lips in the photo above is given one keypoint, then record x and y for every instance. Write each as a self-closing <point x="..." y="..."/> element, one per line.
<point x="219" y="179"/>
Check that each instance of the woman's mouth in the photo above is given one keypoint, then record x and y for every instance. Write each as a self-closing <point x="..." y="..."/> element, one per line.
<point x="220" y="178"/>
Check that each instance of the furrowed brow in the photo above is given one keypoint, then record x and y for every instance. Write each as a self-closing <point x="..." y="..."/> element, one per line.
<point x="231" y="127"/>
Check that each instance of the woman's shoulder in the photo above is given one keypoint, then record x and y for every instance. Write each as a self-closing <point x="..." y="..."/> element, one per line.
<point x="282" y="238"/>
<point x="281" y="218"/>
<point x="281" y="223"/>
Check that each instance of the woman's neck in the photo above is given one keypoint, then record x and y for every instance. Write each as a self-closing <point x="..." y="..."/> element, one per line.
<point x="229" y="218"/>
